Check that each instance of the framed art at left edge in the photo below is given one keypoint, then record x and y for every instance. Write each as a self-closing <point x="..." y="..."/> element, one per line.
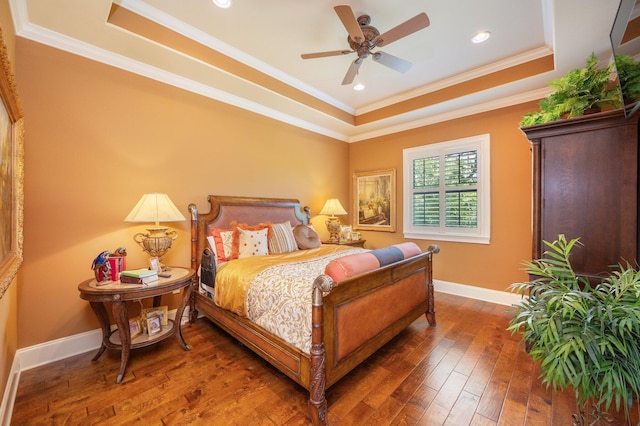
<point x="11" y="173"/>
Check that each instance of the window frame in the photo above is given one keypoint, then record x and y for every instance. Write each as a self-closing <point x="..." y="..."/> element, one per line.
<point x="480" y="235"/>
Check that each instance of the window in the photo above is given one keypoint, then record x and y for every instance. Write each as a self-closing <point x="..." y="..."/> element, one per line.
<point x="446" y="191"/>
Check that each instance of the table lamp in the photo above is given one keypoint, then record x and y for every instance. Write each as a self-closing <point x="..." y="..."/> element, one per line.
<point x="156" y="208"/>
<point x="332" y="208"/>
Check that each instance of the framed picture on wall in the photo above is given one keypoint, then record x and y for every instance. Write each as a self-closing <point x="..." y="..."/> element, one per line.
<point x="11" y="173"/>
<point x="375" y="200"/>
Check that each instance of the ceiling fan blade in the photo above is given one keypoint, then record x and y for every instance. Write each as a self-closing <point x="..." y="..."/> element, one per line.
<point x="392" y="62"/>
<point x="414" y="24"/>
<point x="352" y="72"/>
<point x="325" y="54"/>
<point x="350" y="23"/>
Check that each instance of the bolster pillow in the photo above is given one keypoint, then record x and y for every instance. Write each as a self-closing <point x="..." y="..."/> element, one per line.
<point x="359" y="263"/>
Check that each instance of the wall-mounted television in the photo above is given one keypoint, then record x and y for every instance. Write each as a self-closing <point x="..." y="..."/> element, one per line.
<point x="625" y="40"/>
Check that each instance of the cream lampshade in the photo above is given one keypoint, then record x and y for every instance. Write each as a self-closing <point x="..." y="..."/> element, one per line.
<point x="332" y="208"/>
<point x="155" y="208"/>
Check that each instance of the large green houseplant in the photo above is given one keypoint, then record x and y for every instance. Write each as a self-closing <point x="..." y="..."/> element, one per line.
<point x="579" y="91"/>
<point x="585" y="336"/>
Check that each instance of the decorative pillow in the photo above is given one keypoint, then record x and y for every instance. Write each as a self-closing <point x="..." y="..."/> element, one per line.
<point x="223" y="240"/>
<point x="249" y="240"/>
<point x="306" y="237"/>
<point x="281" y="239"/>
<point x="253" y="243"/>
<point x="359" y="263"/>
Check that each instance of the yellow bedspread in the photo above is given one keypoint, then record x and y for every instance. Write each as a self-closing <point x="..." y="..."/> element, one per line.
<point x="275" y="291"/>
<point x="233" y="278"/>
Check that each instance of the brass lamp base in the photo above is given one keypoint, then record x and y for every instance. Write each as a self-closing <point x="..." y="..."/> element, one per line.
<point x="157" y="242"/>
<point x="333" y="226"/>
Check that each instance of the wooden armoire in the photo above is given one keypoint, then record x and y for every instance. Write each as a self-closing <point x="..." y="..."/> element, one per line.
<point x="585" y="184"/>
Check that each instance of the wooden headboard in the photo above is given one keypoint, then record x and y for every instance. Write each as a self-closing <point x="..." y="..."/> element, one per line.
<point x="250" y="210"/>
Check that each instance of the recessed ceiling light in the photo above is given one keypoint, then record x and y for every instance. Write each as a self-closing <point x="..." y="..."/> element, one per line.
<point x="222" y="3"/>
<point x="481" y="36"/>
<point x="359" y="86"/>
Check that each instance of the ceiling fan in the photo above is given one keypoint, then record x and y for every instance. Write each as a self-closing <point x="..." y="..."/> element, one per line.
<point x="363" y="38"/>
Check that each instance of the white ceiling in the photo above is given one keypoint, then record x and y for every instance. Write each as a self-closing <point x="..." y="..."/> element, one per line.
<point x="270" y="36"/>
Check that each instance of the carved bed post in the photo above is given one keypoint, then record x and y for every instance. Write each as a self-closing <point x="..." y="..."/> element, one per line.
<point x="193" y="209"/>
<point x="317" y="383"/>
<point x="431" y="313"/>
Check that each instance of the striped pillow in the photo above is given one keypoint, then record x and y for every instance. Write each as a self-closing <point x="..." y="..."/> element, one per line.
<point x="281" y="239"/>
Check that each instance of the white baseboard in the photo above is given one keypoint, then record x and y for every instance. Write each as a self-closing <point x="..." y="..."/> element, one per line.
<point x="478" y="293"/>
<point x="55" y="350"/>
<point x="10" y="390"/>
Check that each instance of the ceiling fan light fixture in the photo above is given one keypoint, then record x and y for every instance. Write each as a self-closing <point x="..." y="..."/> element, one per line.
<point x="225" y="4"/>
<point x="359" y="86"/>
<point x="363" y="38"/>
<point x="481" y="37"/>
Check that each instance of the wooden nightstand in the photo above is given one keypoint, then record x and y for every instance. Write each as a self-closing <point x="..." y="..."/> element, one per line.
<point x="353" y="243"/>
<point x="118" y="294"/>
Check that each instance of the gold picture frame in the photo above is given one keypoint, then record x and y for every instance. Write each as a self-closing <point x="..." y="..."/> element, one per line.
<point x="154" y="326"/>
<point x="161" y="312"/>
<point x="374" y="195"/>
<point x="135" y="328"/>
<point x="11" y="173"/>
<point x="154" y="264"/>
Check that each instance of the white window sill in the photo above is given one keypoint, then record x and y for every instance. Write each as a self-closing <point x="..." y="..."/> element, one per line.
<point x="475" y="239"/>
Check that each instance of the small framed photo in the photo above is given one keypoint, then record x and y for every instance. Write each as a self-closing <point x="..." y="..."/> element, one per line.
<point x="135" y="329"/>
<point x="154" y="264"/>
<point x="345" y="233"/>
<point x="355" y="236"/>
<point x="154" y="326"/>
<point x="161" y="312"/>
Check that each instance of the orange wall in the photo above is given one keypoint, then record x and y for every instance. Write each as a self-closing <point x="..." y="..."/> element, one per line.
<point x="493" y="266"/>
<point x="9" y="302"/>
<point x="97" y="138"/>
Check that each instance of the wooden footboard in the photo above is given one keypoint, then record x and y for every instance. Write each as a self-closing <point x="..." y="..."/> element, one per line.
<point x="351" y="319"/>
<point x="354" y="318"/>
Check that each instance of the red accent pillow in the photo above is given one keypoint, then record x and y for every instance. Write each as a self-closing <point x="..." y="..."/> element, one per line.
<point x="223" y="239"/>
<point x="350" y="265"/>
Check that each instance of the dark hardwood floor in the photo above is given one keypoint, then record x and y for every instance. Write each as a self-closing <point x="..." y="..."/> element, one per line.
<point x="466" y="370"/>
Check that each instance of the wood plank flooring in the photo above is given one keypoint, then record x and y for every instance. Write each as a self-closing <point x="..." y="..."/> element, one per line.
<point x="465" y="371"/>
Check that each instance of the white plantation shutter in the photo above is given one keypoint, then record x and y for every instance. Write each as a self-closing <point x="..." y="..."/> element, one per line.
<point x="446" y="187"/>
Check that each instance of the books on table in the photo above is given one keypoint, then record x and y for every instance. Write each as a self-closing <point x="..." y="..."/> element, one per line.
<point x="138" y="276"/>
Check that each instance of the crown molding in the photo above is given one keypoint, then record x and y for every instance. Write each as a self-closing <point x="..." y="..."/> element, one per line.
<point x="455" y="113"/>
<point x="168" y="21"/>
<point x="522" y="58"/>
<point x="342" y="131"/>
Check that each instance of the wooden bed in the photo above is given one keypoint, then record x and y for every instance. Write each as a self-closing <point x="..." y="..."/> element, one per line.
<point x="350" y="319"/>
